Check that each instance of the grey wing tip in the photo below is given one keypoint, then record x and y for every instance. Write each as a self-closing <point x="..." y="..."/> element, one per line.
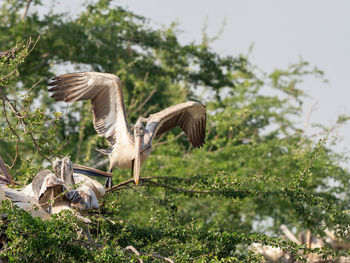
<point x="57" y="96"/>
<point x="53" y="88"/>
<point x="60" y="97"/>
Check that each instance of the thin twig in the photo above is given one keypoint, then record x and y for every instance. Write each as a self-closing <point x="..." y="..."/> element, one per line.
<point x="14" y="132"/>
<point x="29" y="46"/>
<point x="5" y="172"/>
<point x="146" y="100"/>
<point x="152" y="107"/>
<point x="159" y="257"/>
<point x="132" y="249"/>
<point x="35" y="84"/>
<point x="21" y="118"/>
<point x="307" y="121"/>
<point x="105" y="218"/>
<point x="118" y="186"/>
<point x="167" y="141"/>
<point x="26" y="9"/>
<point x="289" y="234"/>
<point x="148" y="180"/>
<point x="8" y="75"/>
<point x="183" y="190"/>
<point x="154" y="255"/>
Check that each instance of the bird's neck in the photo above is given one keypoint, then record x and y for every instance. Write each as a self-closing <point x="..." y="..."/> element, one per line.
<point x="68" y="180"/>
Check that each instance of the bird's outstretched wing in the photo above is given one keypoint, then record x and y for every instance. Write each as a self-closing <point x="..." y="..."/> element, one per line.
<point x="189" y="116"/>
<point x="106" y="95"/>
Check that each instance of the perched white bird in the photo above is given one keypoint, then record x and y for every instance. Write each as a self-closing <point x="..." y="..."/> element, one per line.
<point x="64" y="189"/>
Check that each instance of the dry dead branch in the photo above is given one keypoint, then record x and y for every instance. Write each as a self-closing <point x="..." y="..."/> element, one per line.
<point x="26" y="9"/>
<point x="133" y="250"/>
<point x="154" y="255"/>
<point x="6" y="178"/>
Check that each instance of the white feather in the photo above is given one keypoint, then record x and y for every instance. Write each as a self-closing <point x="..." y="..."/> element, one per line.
<point x="28" y="190"/>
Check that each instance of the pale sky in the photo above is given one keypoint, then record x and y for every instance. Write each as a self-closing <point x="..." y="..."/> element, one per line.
<point x="282" y="31"/>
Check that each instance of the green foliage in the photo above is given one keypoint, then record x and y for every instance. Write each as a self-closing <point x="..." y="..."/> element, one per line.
<point x="257" y="170"/>
<point x="33" y="240"/>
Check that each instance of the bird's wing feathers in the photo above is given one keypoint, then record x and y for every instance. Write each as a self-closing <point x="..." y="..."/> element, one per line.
<point x="189" y="116"/>
<point x="103" y="89"/>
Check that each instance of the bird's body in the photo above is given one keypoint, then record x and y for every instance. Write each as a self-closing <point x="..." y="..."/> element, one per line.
<point x="123" y="155"/>
<point x="109" y="117"/>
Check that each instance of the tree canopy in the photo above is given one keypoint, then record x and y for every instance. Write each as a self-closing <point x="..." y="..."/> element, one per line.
<point x="258" y="169"/>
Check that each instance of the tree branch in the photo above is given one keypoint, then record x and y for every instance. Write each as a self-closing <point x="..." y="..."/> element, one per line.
<point x="166" y="141"/>
<point x="5" y="172"/>
<point x="154" y="255"/>
<point x="148" y="181"/>
<point x="14" y="132"/>
<point x="289" y="234"/>
<point x="22" y="120"/>
<point x="132" y="249"/>
<point x="26" y="9"/>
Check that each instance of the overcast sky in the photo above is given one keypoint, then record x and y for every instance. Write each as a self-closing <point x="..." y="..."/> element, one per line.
<point x="282" y="31"/>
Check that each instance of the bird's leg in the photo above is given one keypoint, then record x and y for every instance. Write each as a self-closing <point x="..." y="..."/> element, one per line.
<point x="132" y="168"/>
<point x="109" y="182"/>
<point x="50" y="201"/>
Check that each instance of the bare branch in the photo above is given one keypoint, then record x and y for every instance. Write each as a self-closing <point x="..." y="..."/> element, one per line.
<point x="132" y="249"/>
<point x="5" y="172"/>
<point x="167" y="141"/>
<point x="105" y="218"/>
<point x="160" y="257"/>
<point x="146" y="100"/>
<point x="307" y="121"/>
<point x="21" y="117"/>
<point x="308" y="238"/>
<point x="150" y="108"/>
<point x="14" y="132"/>
<point x="9" y="75"/>
<point x="127" y="182"/>
<point x="11" y="53"/>
<point x="26" y="9"/>
<point x="35" y="84"/>
<point x="23" y="122"/>
<point x="289" y="234"/>
<point x="154" y="255"/>
<point x="148" y="181"/>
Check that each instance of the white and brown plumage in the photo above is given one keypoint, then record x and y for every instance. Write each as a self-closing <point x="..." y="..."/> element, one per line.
<point x="109" y="118"/>
<point x="65" y="187"/>
<point x="23" y="201"/>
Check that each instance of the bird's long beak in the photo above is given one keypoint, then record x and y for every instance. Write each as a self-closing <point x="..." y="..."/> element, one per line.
<point x="89" y="171"/>
<point x="137" y="163"/>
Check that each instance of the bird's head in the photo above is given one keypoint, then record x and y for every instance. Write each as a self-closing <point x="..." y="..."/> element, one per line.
<point x="63" y="169"/>
<point x="139" y="129"/>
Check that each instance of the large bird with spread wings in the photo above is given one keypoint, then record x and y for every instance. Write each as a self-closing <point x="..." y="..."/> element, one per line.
<point x="109" y="118"/>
